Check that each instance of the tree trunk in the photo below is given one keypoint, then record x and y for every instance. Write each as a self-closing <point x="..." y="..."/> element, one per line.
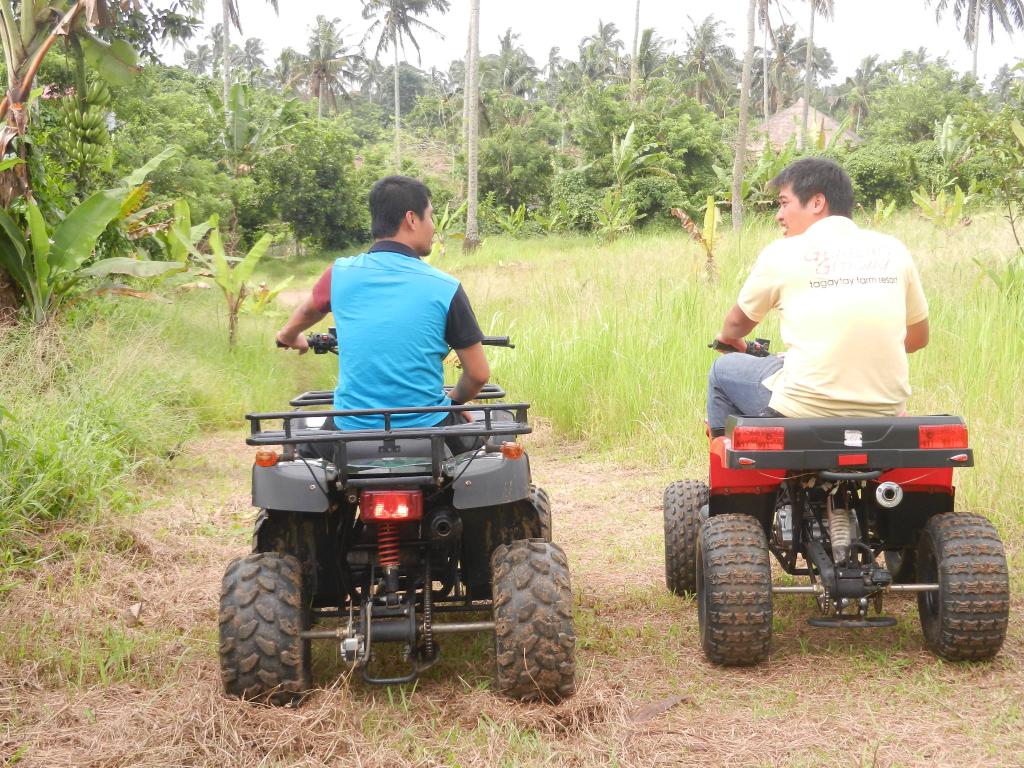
<point x="977" y="37"/>
<point x="8" y="299"/>
<point x="764" y="70"/>
<point x="226" y="54"/>
<point x="634" y="65"/>
<point x="741" y="130"/>
<point x="472" y="239"/>
<point x="320" y="102"/>
<point x="398" y="112"/>
<point x="808" y="57"/>
<point x="465" y="91"/>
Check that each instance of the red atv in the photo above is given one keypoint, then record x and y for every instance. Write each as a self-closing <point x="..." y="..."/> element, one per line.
<point x="861" y="506"/>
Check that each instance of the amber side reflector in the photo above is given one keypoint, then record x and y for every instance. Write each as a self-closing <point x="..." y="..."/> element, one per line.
<point x="512" y="450"/>
<point x="266" y="458"/>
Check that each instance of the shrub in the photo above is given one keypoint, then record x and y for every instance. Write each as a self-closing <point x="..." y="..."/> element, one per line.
<point x="653" y="197"/>
<point x="575" y="199"/>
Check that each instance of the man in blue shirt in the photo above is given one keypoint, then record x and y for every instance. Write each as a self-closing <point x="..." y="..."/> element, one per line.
<point x="396" y="317"/>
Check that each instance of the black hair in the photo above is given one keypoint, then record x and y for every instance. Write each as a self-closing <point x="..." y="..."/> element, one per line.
<point x="391" y="198"/>
<point x="810" y="176"/>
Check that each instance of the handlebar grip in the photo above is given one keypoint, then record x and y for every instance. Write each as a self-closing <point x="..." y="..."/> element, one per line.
<point x="497" y="341"/>
<point x="279" y="345"/>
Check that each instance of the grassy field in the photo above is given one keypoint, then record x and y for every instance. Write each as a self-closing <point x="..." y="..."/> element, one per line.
<point x="128" y="493"/>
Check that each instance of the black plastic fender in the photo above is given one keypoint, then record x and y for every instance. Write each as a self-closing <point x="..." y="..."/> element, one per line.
<point x="298" y="486"/>
<point x="489" y="479"/>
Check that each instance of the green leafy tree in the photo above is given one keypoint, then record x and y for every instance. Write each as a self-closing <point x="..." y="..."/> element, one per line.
<point x="312" y="185"/>
<point x="708" y="62"/>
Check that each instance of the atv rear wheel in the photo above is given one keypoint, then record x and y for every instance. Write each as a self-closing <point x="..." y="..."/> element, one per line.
<point x="262" y="611"/>
<point x="966" y="619"/>
<point x="534" y="638"/>
<point x="682" y="503"/>
<point x="734" y="590"/>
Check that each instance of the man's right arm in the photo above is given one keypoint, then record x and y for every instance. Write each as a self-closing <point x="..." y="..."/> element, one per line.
<point x="308" y="314"/>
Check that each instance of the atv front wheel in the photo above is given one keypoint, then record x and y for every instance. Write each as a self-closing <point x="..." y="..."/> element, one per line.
<point x="542" y="504"/>
<point x="534" y="638"/>
<point x="262" y="611"/>
<point x="966" y="619"/>
<point x="682" y="504"/>
<point x="734" y="590"/>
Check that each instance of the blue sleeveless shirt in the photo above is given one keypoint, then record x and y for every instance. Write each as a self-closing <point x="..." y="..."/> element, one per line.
<point x="390" y="311"/>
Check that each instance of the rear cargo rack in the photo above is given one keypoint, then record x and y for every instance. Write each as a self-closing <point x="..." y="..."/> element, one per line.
<point x="484" y="426"/>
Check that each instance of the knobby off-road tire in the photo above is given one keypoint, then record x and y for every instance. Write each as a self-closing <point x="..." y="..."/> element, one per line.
<point x="682" y="503"/>
<point x="534" y="638"/>
<point x="541" y="503"/>
<point x="734" y="590"/>
<point x="262" y="611"/>
<point x="966" y="619"/>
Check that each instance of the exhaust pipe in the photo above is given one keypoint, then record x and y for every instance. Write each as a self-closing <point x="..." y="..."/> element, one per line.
<point x="888" y="495"/>
<point x="445" y="526"/>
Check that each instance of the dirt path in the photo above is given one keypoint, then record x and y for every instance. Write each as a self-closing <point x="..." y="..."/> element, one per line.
<point x="85" y="683"/>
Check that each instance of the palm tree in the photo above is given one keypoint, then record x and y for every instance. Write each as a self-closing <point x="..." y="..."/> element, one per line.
<point x="396" y="19"/>
<point x="200" y="61"/>
<point x="1010" y="14"/>
<point x="744" y="119"/>
<point x="252" y="59"/>
<point x="288" y="69"/>
<point x="471" y="93"/>
<point x="600" y="52"/>
<point x="518" y="72"/>
<point x="706" y="57"/>
<point x="328" y="64"/>
<point x="763" y="18"/>
<point x="231" y="16"/>
<point x="634" y="65"/>
<point x="856" y="89"/>
<point x="827" y="9"/>
<point x="651" y="57"/>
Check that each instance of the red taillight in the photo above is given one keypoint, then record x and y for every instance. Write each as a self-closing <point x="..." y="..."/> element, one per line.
<point x="758" y="438"/>
<point x="375" y="506"/>
<point x="942" y="436"/>
<point x="853" y="459"/>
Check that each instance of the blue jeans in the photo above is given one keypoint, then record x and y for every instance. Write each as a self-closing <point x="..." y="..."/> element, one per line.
<point x="735" y="388"/>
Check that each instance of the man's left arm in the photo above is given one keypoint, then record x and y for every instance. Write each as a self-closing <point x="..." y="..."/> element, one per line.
<point x="917" y="311"/>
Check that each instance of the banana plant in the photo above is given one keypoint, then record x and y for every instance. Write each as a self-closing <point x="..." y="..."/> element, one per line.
<point x="232" y="275"/>
<point x="945" y="213"/>
<point x="444" y="226"/>
<point x="49" y="266"/>
<point x="706" y="235"/>
<point x="630" y="160"/>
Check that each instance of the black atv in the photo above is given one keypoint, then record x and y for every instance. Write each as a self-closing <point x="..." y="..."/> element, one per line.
<point x="386" y="536"/>
<point x="861" y="506"/>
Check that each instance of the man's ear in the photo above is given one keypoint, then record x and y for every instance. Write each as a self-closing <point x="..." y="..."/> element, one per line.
<point x="819" y="204"/>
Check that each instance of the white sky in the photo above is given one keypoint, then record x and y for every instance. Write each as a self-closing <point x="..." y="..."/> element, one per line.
<point x="860" y="28"/>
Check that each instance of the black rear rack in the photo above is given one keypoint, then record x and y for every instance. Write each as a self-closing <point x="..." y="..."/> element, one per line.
<point x="326" y="396"/>
<point x="484" y="426"/>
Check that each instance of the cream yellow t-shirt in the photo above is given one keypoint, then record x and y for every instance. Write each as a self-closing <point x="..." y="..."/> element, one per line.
<point x="845" y="297"/>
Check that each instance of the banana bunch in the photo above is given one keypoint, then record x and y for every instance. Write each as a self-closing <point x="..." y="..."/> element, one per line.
<point x="84" y="135"/>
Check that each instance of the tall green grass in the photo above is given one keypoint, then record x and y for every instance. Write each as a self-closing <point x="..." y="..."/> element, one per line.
<point x="113" y="392"/>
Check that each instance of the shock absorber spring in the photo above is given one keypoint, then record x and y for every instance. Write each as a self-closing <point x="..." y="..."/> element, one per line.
<point x="387" y="544"/>
<point x="839" y="532"/>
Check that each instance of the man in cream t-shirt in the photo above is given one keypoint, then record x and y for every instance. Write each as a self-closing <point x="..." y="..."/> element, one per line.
<point x="850" y="304"/>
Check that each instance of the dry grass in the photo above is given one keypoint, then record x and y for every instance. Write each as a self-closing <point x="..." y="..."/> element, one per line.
<point x="646" y="696"/>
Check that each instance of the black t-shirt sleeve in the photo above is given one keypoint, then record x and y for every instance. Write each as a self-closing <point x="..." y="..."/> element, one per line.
<point x="462" y="330"/>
